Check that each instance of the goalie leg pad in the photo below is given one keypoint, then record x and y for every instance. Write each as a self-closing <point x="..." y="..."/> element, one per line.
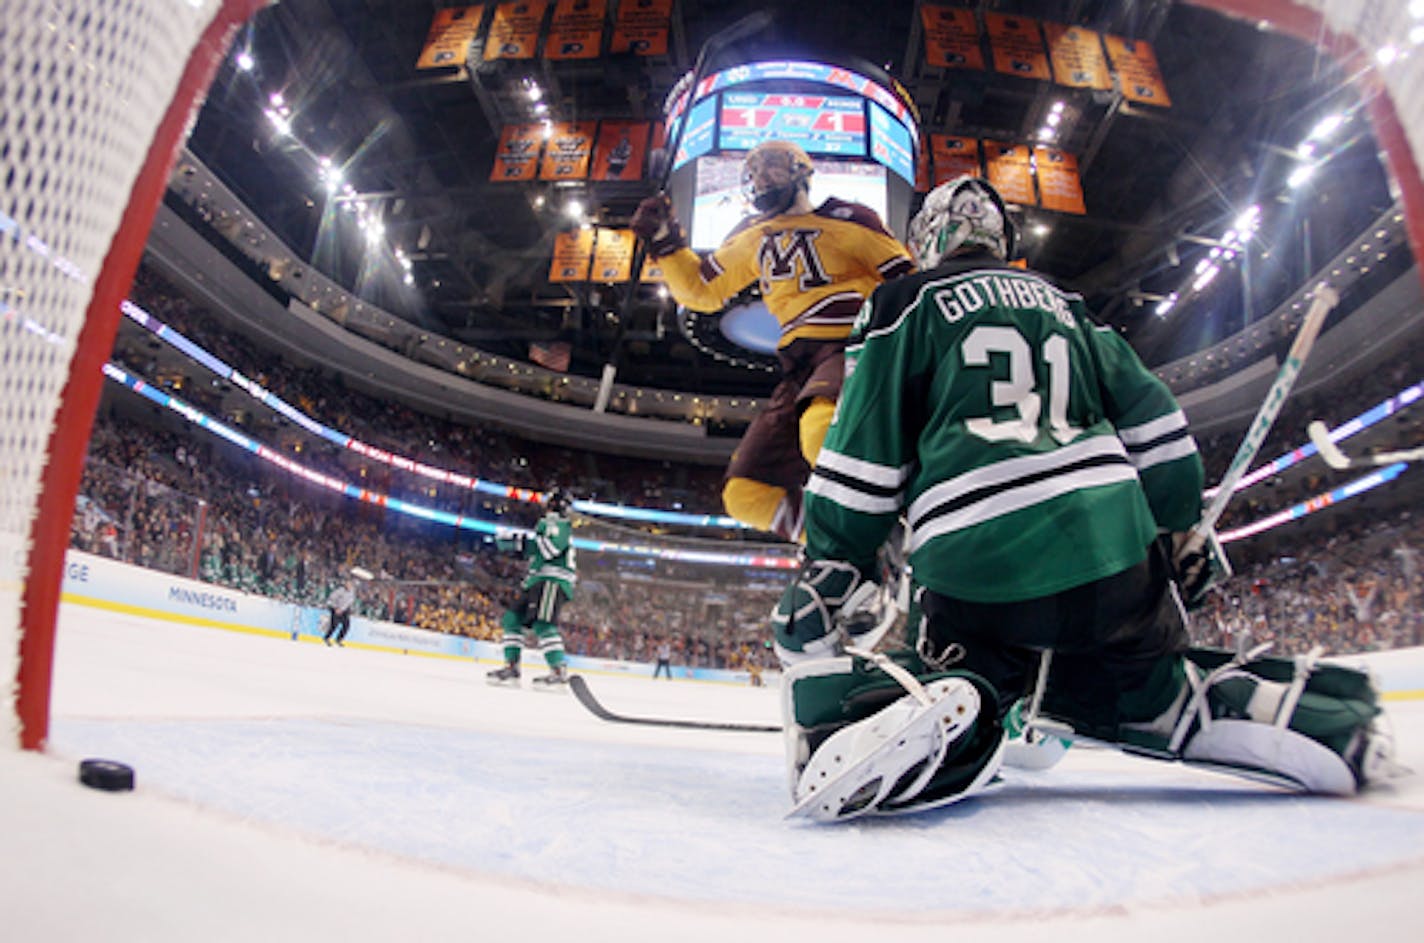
<point x="1291" y="721"/>
<point x="865" y="711"/>
<point x="892" y="754"/>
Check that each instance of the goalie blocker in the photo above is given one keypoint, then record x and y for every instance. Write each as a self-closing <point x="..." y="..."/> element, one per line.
<point x="886" y="734"/>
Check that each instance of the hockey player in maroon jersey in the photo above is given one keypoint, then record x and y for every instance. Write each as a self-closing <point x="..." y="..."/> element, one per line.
<point x="815" y="266"/>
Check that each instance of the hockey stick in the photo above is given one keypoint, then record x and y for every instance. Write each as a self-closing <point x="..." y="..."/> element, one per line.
<point x="1325" y="301"/>
<point x="585" y="697"/>
<point x="746" y="26"/>
<point x="1337" y="459"/>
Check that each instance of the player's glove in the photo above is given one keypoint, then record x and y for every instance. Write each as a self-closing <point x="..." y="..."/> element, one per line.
<point x="1198" y="570"/>
<point x="509" y="539"/>
<point x="824" y="608"/>
<point x="654" y="223"/>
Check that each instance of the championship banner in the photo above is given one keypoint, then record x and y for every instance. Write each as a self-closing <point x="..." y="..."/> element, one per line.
<point x="448" y="42"/>
<point x="1010" y="171"/>
<point x="951" y="38"/>
<point x="518" y="155"/>
<point x="576" y="31"/>
<point x="613" y="255"/>
<point x="621" y="148"/>
<point x="1136" y="66"/>
<point x="572" y="253"/>
<point x="1059" y="186"/>
<point x="1077" y="56"/>
<point x="567" y="153"/>
<point x="652" y="272"/>
<point x="514" y="31"/>
<point x="954" y="157"/>
<point x="1017" y="46"/>
<point x="642" y="27"/>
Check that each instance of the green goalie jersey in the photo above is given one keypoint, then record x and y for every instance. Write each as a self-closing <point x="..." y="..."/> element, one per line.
<point x="1030" y="450"/>
<point x="551" y="554"/>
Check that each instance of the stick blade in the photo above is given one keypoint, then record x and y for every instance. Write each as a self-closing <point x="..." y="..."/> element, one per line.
<point x="1328" y="450"/>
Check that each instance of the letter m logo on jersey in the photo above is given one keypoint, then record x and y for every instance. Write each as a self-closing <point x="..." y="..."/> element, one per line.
<point x="780" y="251"/>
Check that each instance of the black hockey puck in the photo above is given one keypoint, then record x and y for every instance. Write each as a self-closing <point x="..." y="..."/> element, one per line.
<point x="107" y="775"/>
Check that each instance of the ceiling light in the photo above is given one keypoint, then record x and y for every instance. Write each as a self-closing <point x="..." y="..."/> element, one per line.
<point x="1040" y="229"/>
<point x="245" y="62"/>
<point x="1054" y="117"/>
<point x="1386" y="55"/>
<point x="1326" y="126"/>
<point x="1300" y="175"/>
<point x="1045" y="134"/>
<point x="573" y="209"/>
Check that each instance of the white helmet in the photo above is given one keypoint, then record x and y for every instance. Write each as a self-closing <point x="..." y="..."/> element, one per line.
<point x="965" y="211"/>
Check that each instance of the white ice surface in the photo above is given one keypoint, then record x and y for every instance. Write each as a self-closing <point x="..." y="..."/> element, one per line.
<point x="291" y="791"/>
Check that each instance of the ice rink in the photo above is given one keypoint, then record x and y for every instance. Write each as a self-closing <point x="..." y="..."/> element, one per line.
<point x="291" y="791"/>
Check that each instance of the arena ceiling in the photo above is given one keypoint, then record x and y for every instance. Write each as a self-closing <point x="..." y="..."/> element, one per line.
<point x="1161" y="185"/>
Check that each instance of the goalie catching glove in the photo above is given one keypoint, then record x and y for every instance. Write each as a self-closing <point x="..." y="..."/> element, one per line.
<point x="827" y="606"/>
<point x="654" y="223"/>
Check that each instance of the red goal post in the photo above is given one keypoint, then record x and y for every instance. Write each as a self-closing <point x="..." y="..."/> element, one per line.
<point x="96" y="97"/>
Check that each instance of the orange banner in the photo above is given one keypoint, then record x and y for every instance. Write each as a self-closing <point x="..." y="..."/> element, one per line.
<point x="1136" y="66"/>
<point x="514" y="31"/>
<point x="620" y="151"/>
<point x="1010" y="171"/>
<point x="613" y="255"/>
<point x="572" y="252"/>
<point x="951" y="38"/>
<point x="448" y="42"/>
<point x="518" y="154"/>
<point x="652" y="271"/>
<point x="576" y="31"/>
<point x="568" y="150"/>
<point x="1059" y="187"/>
<point x="1077" y="55"/>
<point x="1017" y="46"/>
<point x="642" y="27"/>
<point x="954" y="157"/>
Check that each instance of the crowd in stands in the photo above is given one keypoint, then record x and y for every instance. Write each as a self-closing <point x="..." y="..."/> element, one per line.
<point x="168" y="497"/>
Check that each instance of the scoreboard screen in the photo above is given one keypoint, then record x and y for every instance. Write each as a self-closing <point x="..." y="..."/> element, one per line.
<point x="821" y="124"/>
<point x="697" y="139"/>
<point x="890" y="143"/>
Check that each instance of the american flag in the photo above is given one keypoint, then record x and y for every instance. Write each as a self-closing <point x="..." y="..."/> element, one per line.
<point x="554" y="356"/>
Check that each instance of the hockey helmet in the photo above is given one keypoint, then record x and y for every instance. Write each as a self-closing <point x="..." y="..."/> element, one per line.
<point x="557" y="501"/>
<point x="965" y="211"/>
<point x="773" y="173"/>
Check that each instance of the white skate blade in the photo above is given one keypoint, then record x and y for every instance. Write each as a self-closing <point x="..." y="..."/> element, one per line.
<point x="858" y="767"/>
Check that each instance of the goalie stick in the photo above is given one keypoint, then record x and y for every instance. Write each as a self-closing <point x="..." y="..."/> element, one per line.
<point x="1320" y="436"/>
<point x="1325" y="300"/>
<point x="585" y="697"/>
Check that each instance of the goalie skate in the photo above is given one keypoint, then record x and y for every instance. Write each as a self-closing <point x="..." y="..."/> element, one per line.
<point x="888" y="757"/>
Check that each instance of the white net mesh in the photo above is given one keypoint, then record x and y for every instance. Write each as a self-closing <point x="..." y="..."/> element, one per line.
<point x="83" y="86"/>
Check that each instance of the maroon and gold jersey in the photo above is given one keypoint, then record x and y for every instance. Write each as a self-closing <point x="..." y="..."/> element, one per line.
<point x="816" y="269"/>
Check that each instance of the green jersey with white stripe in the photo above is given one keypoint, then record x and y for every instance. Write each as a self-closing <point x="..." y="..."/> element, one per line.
<point x="1030" y="450"/>
<point x="551" y="554"/>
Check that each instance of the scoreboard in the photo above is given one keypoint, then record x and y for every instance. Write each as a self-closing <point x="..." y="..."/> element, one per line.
<point x="820" y="124"/>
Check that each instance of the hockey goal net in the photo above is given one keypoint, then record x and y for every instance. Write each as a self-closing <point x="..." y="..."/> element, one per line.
<point x="95" y="98"/>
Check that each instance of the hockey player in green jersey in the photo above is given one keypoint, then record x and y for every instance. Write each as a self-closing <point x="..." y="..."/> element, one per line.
<point x="1042" y="471"/>
<point x="547" y="586"/>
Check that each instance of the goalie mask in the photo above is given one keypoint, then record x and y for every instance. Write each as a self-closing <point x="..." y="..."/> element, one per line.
<point x="966" y="212"/>
<point x="773" y="174"/>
